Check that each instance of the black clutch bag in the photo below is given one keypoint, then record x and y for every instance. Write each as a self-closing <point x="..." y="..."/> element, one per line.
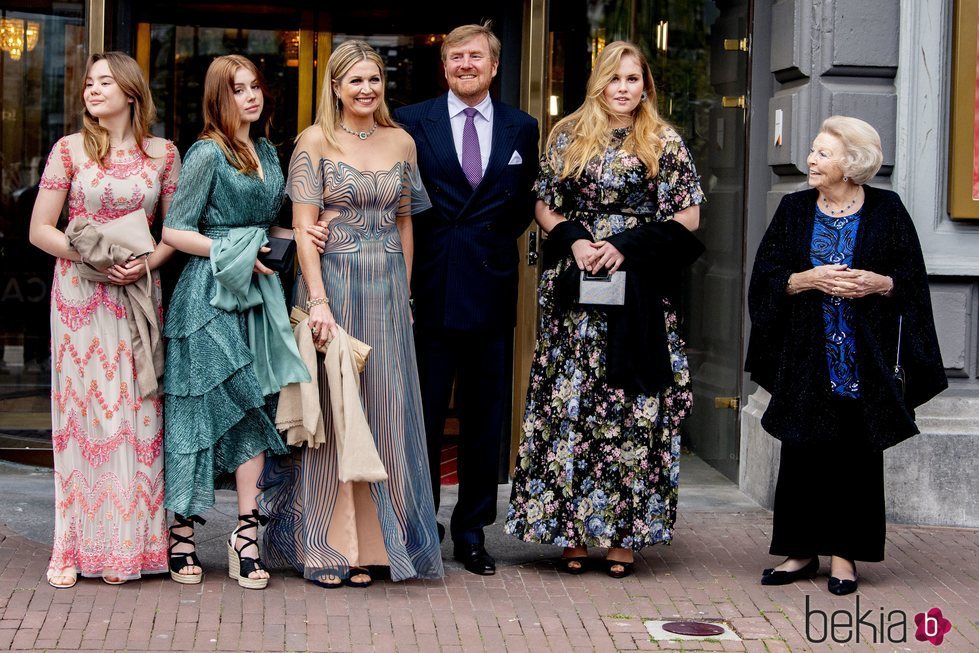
<point x="282" y="246"/>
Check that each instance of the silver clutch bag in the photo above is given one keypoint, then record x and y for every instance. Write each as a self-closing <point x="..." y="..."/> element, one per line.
<point x="604" y="290"/>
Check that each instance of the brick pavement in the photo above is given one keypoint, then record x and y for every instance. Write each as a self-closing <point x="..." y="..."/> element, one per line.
<point x="710" y="572"/>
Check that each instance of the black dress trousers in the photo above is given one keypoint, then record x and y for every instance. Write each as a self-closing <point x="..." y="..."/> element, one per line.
<point x="829" y="499"/>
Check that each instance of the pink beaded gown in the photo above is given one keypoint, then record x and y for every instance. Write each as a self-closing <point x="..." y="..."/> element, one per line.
<point x="107" y="439"/>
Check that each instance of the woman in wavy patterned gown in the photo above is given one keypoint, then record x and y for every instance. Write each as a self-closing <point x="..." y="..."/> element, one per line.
<point x="108" y="471"/>
<point x="356" y="169"/>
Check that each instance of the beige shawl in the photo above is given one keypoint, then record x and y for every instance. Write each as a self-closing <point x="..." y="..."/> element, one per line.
<point x="141" y="311"/>
<point x="299" y="413"/>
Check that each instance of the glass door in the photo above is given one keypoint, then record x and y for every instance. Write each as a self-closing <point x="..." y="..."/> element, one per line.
<point x="698" y="53"/>
<point x="42" y="61"/>
<point x="713" y="102"/>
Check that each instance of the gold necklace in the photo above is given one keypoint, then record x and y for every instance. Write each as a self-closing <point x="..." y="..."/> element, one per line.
<point x="361" y="135"/>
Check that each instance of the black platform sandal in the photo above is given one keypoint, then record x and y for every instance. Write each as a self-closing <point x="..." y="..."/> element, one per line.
<point x="180" y="560"/>
<point x="574" y="565"/>
<point x="240" y="567"/>
<point x="627" y="568"/>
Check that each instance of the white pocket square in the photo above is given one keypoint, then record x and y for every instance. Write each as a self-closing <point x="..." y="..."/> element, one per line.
<point x="516" y="159"/>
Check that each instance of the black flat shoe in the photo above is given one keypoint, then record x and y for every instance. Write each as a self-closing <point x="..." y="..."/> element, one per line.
<point x="841" y="587"/>
<point x="475" y="559"/>
<point x="574" y="565"/>
<point x="772" y="577"/>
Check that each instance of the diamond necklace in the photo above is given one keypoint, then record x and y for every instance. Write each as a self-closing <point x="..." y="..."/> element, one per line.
<point x="361" y="135"/>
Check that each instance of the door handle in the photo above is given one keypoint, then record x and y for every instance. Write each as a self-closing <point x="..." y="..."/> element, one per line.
<point x="734" y="102"/>
<point x="532" y="247"/>
<point x="736" y="45"/>
<point x="727" y="402"/>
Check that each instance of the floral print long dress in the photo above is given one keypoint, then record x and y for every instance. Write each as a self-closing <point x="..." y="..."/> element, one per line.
<point x="108" y="440"/>
<point x="597" y="466"/>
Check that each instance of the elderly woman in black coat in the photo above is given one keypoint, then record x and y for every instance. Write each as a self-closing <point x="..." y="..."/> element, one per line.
<point x="843" y="337"/>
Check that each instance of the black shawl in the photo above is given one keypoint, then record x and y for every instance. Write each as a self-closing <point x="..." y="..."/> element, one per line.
<point x="638" y="358"/>
<point x="786" y="349"/>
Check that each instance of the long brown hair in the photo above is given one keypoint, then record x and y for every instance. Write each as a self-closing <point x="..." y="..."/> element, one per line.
<point x="344" y="57"/>
<point x="142" y="112"/>
<point x="589" y="126"/>
<point x="221" y="115"/>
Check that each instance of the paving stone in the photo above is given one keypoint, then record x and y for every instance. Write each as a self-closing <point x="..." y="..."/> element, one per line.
<point x="710" y="571"/>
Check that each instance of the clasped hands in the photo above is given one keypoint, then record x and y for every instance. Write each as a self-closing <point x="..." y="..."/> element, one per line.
<point x="592" y="257"/>
<point x="841" y="281"/>
<point x="123" y="274"/>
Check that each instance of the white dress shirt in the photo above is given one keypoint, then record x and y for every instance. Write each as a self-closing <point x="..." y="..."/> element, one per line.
<point x="483" y="121"/>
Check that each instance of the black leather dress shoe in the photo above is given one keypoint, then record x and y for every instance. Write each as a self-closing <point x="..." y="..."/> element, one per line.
<point x="475" y="559"/>
<point x="772" y="577"/>
<point x="841" y="587"/>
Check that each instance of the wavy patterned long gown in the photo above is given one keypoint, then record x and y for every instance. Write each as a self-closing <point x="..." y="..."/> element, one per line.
<point x="319" y="525"/>
<point x="108" y="468"/>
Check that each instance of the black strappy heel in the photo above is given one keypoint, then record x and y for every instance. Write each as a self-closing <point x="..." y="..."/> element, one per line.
<point x="240" y="567"/>
<point x="178" y="561"/>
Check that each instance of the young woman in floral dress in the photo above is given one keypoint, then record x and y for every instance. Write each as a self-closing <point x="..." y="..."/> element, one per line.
<point x="599" y="454"/>
<point x="108" y="467"/>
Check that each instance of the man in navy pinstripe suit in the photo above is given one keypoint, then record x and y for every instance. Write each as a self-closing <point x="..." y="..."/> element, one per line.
<point x="479" y="168"/>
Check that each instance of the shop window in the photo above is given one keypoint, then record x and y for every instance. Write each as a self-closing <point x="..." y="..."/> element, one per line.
<point x="42" y="60"/>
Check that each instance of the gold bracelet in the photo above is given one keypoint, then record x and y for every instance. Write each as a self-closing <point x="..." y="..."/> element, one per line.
<point x="319" y="301"/>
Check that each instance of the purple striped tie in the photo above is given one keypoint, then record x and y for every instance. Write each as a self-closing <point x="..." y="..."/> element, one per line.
<point x="472" y="162"/>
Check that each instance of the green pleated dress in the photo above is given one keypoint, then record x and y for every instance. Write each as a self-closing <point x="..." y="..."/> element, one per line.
<point x="215" y="415"/>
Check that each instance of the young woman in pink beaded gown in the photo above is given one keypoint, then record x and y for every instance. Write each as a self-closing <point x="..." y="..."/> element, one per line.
<point x="108" y="465"/>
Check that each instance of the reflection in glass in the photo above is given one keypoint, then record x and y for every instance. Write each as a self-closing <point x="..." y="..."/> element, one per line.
<point x="41" y="68"/>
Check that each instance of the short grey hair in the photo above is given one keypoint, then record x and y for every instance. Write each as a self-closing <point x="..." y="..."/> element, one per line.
<point x="861" y="141"/>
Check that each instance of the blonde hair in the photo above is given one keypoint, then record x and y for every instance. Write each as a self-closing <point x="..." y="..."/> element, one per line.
<point x="861" y="142"/>
<point x="344" y="57"/>
<point x="142" y="112"/>
<point x="221" y="116"/>
<point x="589" y="127"/>
<point x="463" y="33"/>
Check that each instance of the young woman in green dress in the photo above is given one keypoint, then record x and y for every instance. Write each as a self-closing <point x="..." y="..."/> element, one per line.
<point x="219" y="384"/>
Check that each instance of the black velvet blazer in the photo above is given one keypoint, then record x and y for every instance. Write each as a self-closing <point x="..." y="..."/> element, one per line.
<point x="786" y="348"/>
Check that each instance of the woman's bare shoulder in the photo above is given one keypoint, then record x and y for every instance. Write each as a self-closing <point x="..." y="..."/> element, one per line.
<point x="312" y="139"/>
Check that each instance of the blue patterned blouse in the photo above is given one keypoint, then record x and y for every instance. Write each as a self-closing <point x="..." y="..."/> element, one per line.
<point x="833" y="238"/>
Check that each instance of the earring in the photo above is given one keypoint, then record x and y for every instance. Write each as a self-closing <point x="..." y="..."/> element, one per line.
<point x="644" y="96"/>
<point x="845" y="178"/>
